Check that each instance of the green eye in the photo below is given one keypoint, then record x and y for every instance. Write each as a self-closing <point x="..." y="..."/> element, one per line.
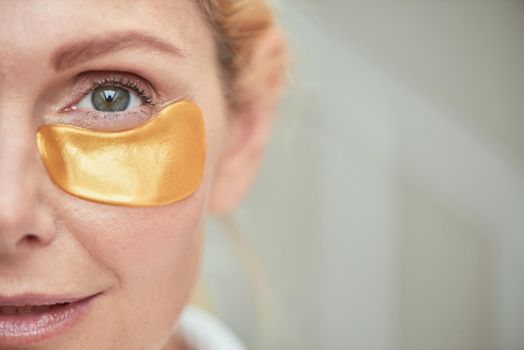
<point x="110" y="99"/>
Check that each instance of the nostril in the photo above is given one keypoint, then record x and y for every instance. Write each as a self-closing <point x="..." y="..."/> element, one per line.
<point x="29" y="239"/>
<point x="24" y="230"/>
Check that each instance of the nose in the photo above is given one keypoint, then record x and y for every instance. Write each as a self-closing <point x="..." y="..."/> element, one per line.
<point x="26" y="222"/>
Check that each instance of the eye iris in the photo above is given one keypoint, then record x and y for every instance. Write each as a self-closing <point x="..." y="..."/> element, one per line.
<point x="110" y="99"/>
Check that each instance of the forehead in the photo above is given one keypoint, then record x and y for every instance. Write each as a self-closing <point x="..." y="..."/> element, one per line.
<point x="33" y="28"/>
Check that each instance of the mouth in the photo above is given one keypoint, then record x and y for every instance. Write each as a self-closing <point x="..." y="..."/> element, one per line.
<point x="30" y="318"/>
<point x="28" y="309"/>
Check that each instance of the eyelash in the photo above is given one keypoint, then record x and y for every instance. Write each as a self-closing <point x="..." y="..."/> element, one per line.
<point x="84" y="84"/>
<point x="122" y="82"/>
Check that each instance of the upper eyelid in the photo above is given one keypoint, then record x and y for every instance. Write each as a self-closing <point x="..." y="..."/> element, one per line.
<point x="86" y="82"/>
<point x="122" y="82"/>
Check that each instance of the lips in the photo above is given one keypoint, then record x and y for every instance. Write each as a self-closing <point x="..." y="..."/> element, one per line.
<point x="30" y="318"/>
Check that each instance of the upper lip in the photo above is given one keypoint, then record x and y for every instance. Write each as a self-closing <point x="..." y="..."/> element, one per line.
<point x="39" y="299"/>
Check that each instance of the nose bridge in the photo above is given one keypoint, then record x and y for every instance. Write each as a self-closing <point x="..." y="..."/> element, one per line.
<point x="25" y="215"/>
<point x="17" y="182"/>
<point x="22" y="211"/>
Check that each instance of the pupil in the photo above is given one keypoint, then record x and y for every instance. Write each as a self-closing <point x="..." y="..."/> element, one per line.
<point x="109" y="95"/>
<point x="110" y="98"/>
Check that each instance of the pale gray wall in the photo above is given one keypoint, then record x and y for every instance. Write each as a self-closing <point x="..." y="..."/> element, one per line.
<point x="389" y="212"/>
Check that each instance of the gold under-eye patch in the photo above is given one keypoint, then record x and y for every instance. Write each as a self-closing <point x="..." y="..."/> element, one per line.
<point x="157" y="163"/>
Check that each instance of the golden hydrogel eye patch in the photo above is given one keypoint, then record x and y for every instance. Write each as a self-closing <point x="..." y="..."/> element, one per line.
<point x="157" y="163"/>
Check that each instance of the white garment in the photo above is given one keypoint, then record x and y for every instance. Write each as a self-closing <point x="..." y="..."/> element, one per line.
<point x="202" y="331"/>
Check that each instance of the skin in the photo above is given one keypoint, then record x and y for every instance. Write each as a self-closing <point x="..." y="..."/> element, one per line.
<point x="143" y="261"/>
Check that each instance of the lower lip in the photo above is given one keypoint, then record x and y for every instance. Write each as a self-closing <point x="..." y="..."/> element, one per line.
<point x="23" y="329"/>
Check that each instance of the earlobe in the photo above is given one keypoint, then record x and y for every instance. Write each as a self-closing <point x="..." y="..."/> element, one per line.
<point x="258" y="90"/>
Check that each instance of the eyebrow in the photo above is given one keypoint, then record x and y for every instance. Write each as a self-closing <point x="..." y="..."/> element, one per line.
<point x="85" y="50"/>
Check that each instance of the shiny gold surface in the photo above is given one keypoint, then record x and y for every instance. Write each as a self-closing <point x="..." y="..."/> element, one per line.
<point x="155" y="164"/>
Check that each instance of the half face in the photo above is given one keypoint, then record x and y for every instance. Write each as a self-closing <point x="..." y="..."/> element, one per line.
<point x="84" y="76"/>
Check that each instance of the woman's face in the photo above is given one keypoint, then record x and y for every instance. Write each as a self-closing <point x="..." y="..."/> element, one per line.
<point x="140" y="262"/>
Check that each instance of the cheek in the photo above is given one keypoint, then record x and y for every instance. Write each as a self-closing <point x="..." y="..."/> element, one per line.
<point x="140" y="243"/>
<point x="153" y="255"/>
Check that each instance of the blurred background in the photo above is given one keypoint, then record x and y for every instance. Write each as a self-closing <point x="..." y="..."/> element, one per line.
<point x="389" y="211"/>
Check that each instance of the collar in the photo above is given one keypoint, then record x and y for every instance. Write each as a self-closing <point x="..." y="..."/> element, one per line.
<point x="203" y="331"/>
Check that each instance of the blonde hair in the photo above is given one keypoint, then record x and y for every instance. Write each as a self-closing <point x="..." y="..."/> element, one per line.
<point x="236" y="25"/>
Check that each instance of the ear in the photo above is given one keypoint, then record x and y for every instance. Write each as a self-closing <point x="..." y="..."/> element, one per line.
<point x="258" y="90"/>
